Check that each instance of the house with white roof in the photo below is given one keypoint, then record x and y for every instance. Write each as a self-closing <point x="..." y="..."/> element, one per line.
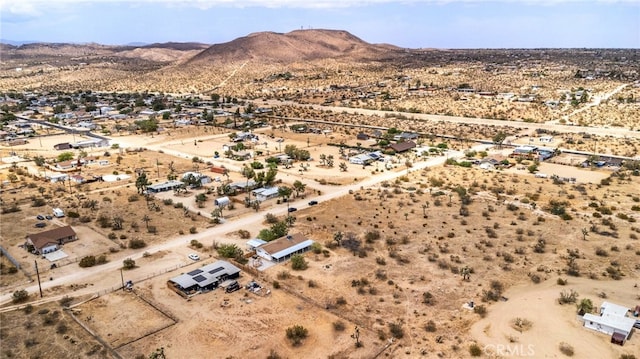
<point x="283" y="248"/>
<point x="612" y="321"/>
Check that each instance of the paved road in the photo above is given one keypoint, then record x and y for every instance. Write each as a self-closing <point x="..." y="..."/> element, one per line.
<point x="611" y="131"/>
<point x="253" y="220"/>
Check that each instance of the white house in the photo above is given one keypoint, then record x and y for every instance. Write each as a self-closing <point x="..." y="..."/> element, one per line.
<point x="263" y="194"/>
<point x="361" y="159"/>
<point x="283" y="248"/>
<point x="612" y="321"/>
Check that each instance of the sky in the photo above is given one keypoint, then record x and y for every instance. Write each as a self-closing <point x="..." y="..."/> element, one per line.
<point x="405" y="23"/>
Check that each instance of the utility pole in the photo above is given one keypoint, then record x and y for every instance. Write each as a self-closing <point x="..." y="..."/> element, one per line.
<point x="38" y="275"/>
<point x="122" y="278"/>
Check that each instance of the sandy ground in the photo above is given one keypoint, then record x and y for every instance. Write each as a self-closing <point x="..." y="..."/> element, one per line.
<point x="553" y="323"/>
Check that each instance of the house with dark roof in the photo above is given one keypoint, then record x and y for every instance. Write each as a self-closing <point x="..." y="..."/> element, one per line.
<point x="402" y="146"/>
<point x="49" y="241"/>
<point x="283" y="248"/>
<point x="203" y="279"/>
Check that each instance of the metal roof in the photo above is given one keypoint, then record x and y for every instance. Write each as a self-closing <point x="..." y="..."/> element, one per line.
<point x="205" y="275"/>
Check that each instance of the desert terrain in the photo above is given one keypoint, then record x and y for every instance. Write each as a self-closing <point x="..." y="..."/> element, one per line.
<point x="402" y="244"/>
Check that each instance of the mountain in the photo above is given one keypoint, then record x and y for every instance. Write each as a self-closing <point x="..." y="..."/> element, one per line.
<point x="298" y="45"/>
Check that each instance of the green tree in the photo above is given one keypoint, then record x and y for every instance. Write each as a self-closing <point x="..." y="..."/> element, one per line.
<point x="230" y="251"/>
<point x="128" y="264"/>
<point x="585" y="306"/>
<point x="299" y="187"/>
<point x="65" y="156"/>
<point x="142" y="182"/>
<point x="298" y="262"/>
<point x="248" y="173"/>
<point x="499" y="138"/>
<point x="39" y="161"/>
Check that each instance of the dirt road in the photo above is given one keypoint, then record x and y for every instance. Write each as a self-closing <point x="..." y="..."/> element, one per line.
<point x="95" y="275"/>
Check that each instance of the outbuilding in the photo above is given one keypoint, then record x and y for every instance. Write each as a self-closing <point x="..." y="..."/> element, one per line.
<point x="283" y="248"/>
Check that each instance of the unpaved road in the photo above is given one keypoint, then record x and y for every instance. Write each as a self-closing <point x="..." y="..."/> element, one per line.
<point x="96" y="275"/>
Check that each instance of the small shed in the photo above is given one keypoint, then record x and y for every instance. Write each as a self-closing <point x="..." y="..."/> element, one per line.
<point x="252" y="244"/>
<point x="221" y="202"/>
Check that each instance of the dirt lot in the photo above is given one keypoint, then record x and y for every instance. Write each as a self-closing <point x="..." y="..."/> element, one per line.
<point x="46" y="331"/>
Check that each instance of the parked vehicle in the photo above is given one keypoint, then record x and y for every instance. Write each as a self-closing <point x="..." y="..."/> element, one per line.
<point x="41" y="225"/>
<point x="232" y="287"/>
<point x="313" y="203"/>
<point x="40" y="217"/>
<point x="194" y="257"/>
<point x="292" y="209"/>
<point x="48" y="217"/>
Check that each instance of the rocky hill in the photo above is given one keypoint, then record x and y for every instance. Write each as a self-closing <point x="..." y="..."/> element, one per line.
<point x="299" y="45"/>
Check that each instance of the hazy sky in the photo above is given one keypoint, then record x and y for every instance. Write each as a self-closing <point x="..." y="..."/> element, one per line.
<point x="406" y="23"/>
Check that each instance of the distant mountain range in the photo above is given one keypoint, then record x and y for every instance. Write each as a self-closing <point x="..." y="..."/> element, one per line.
<point x="298" y="45"/>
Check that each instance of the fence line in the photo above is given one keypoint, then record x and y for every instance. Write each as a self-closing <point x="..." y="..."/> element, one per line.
<point x="95" y="336"/>
<point x="10" y="258"/>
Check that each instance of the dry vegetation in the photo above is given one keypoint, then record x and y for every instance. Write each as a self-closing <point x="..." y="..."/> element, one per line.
<point x="398" y="260"/>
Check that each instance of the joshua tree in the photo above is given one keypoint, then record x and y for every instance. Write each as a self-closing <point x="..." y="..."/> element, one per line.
<point x="585" y="306"/>
<point x="343" y="167"/>
<point x="146" y="219"/>
<point x="466" y="273"/>
<point x="585" y="233"/>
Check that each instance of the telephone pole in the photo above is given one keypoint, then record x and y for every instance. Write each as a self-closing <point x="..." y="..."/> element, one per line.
<point x="38" y="275"/>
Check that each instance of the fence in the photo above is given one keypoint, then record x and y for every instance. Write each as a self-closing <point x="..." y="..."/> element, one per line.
<point x="10" y="258"/>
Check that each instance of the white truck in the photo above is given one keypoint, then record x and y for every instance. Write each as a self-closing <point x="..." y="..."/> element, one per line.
<point x="58" y="212"/>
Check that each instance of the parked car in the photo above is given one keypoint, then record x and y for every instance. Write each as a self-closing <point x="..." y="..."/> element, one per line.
<point x="48" y="217"/>
<point x="292" y="209"/>
<point x="232" y="287"/>
<point x="194" y="257"/>
<point x="41" y="225"/>
<point x="40" y="217"/>
<point x="313" y="203"/>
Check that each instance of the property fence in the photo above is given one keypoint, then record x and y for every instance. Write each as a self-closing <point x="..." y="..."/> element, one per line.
<point x="10" y="258"/>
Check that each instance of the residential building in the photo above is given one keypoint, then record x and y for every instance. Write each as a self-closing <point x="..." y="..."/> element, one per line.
<point x="283" y="248"/>
<point x="49" y="241"/>
<point x="203" y="279"/>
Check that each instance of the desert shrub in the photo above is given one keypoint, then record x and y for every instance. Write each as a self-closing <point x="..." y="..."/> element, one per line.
<point x="66" y="301"/>
<point x="128" y="264"/>
<point x="428" y="299"/>
<point x="475" y="350"/>
<point x="481" y="310"/>
<point x="561" y="281"/>
<point x="341" y="301"/>
<point x="112" y="236"/>
<point x="396" y="330"/>
<point x="569" y="297"/>
<point x="601" y="252"/>
<point x="430" y="326"/>
<point x="133" y="198"/>
<point x="20" y="296"/>
<point x="566" y="349"/>
<point x="244" y="234"/>
<point x="137" y="243"/>
<point x="627" y="356"/>
<point x="296" y="334"/>
<point x="230" y="251"/>
<point x="196" y="244"/>
<point x="88" y="261"/>
<point x="298" y="262"/>
<point x="338" y="326"/>
<point x="271" y="218"/>
<point x="62" y="328"/>
<point x="276" y="284"/>
<point x="167" y="201"/>
<point x="193" y="230"/>
<point x="152" y="229"/>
